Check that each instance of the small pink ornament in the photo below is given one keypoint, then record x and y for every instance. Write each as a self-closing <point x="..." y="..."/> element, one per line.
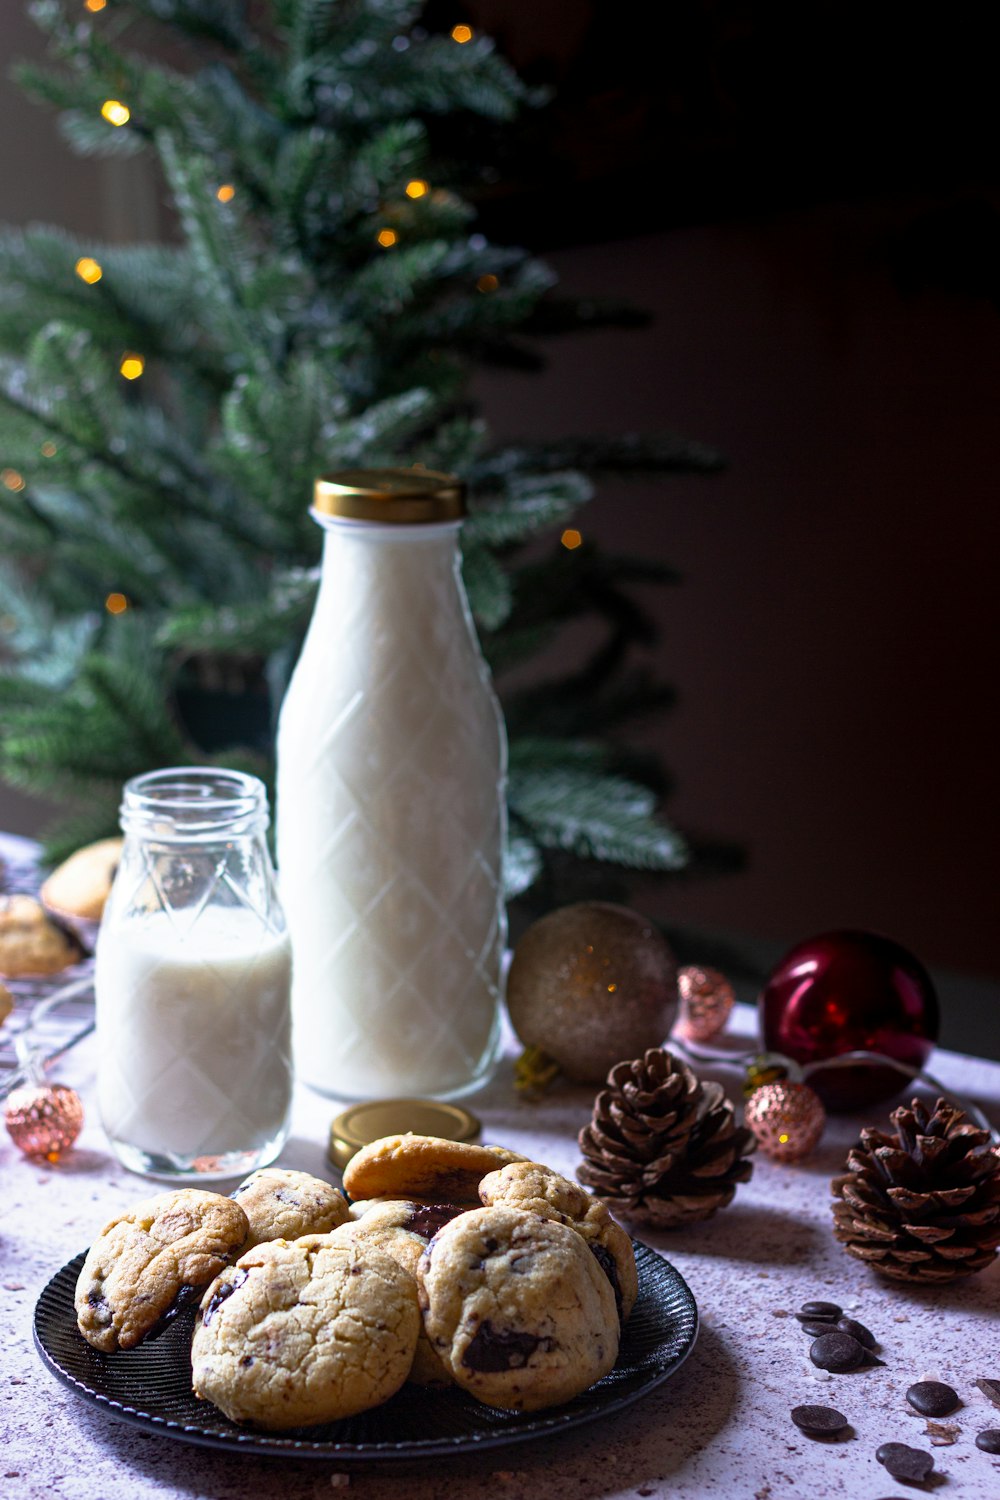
<point x="706" y="1000"/>
<point x="787" y="1119"/>
<point x="43" y="1119"/>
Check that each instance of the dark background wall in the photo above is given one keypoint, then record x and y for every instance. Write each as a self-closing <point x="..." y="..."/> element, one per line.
<point x="805" y="200"/>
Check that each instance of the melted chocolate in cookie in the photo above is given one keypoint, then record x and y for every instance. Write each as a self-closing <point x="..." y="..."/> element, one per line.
<point x="499" y="1349"/>
<point x="609" y="1266"/>
<point x="427" y="1218"/>
<point x="225" y="1290"/>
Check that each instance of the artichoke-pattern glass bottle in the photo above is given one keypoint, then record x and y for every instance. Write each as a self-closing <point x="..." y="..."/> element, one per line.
<point x="390" y="802"/>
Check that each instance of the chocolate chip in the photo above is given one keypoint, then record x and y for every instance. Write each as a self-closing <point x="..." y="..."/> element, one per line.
<point x="225" y="1290"/>
<point x="909" y="1464"/>
<point x="816" y="1327"/>
<point x="501" y="1349"/>
<point x="837" y="1352"/>
<point x="989" y="1440"/>
<point x="820" y="1310"/>
<point x="818" y="1421"/>
<point x="609" y="1266"/>
<point x="990" y="1389"/>
<point x="932" y="1398"/>
<point x="858" y="1331"/>
<point x="427" y="1218"/>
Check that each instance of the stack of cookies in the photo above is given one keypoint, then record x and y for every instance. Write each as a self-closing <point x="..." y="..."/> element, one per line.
<point x="453" y="1264"/>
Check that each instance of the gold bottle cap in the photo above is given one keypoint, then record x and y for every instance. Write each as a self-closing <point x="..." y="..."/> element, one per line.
<point x="362" y="1123"/>
<point x="397" y="496"/>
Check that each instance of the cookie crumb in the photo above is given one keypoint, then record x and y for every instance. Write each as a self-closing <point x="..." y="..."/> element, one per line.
<point x="942" y="1434"/>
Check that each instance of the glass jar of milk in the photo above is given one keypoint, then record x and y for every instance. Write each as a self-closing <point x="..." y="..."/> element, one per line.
<point x="192" y="981"/>
<point x="391" y="802"/>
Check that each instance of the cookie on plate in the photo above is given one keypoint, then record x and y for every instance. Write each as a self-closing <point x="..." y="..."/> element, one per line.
<point x="422" y="1167"/>
<point x="303" y="1332"/>
<point x="31" y="944"/>
<point x="79" y="887"/>
<point x="403" y="1230"/>
<point x="540" y="1190"/>
<point x="142" y="1262"/>
<point x="284" y="1205"/>
<point x="518" y="1308"/>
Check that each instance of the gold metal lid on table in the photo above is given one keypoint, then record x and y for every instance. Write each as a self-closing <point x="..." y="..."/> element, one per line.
<point x="362" y="1123"/>
<point x="397" y="496"/>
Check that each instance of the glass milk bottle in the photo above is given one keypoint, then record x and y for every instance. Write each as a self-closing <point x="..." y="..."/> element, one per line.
<point x="390" y="803"/>
<point x="192" y="981"/>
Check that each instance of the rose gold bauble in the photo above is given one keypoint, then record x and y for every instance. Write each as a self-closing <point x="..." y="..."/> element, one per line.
<point x="706" y="999"/>
<point x="787" y="1119"/>
<point x="43" y="1119"/>
<point x="591" y="984"/>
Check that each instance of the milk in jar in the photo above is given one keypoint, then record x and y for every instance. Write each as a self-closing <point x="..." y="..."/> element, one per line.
<point x="192" y="980"/>
<point x="390" y="803"/>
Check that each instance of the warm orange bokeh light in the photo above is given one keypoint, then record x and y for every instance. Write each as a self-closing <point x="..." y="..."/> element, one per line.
<point x="116" y="604"/>
<point x="88" y="269"/>
<point x="11" y="479"/>
<point x="387" y="237"/>
<point x="461" y="33"/>
<point x="418" y="188"/>
<point x="487" y="283"/>
<point x="132" y="366"/>
<point x="226" y="193"/>
<point x="571" y="539"/>
<point x="115" y="112"/>
<point x="94" y="5"/>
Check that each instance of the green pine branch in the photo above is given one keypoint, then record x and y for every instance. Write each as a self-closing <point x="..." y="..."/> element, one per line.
<point x="327" y="305"/>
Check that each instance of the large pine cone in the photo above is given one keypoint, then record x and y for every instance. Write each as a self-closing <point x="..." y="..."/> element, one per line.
<point x="662" y="1147"/>
<point x="923" y="1204"/>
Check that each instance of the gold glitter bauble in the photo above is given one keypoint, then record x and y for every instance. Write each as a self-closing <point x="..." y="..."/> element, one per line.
<point x="43" y="1119"/>
<point x="591" y="984"/>
<point x="787" y="1119"/>
<point x="706" y="1000"/>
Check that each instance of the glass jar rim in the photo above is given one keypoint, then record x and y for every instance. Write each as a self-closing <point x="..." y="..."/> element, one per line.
<point x="194" y="802"/>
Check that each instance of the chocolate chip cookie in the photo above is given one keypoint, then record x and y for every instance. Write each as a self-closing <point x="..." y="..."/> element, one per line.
<point x="31" y="944"/>
<point x="305" y="1332"/>
<point x="79" y="887"/>
<point x="143" y="1261"/>
<point x="540" y="1190"/>
<point x="517" y="1307"/>
<point x="423" y="1167"/>
<point x="403" y="1230"/>
<point x="284" y="1205"/>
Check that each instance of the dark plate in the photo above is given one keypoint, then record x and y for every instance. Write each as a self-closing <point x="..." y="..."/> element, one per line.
<point x="151" y="1386"/>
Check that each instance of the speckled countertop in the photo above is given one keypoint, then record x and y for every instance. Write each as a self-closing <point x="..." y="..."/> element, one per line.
<point x="719" y="1426"/>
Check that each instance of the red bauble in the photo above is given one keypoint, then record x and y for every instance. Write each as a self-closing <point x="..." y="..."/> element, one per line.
<point x="847" y="992"/>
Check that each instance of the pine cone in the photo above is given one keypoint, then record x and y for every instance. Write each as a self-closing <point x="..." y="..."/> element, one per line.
<point x="924" y="1204"/>
<point x="663" y="1148"/>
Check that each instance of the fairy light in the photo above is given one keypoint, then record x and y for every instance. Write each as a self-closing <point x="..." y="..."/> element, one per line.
<point x="417" y="188"/>
<point x="571" y="539"/>
<point x="94" y="5"/>
<point x="88" y="269"/>
<point x="132" y="366"/>
<point x="487" y="283"/>
<point x="226" y="193"/>
<point x="116" y="604"/>
<point x="461" y="34"/>
<point x="48" y="450"/>
<point x="387" y="238"/>
<point x="11" y="479"/>
<point x="115" y="112"/>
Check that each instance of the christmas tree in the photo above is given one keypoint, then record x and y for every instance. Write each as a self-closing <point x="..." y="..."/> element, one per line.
<point x="164" y="410"/>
